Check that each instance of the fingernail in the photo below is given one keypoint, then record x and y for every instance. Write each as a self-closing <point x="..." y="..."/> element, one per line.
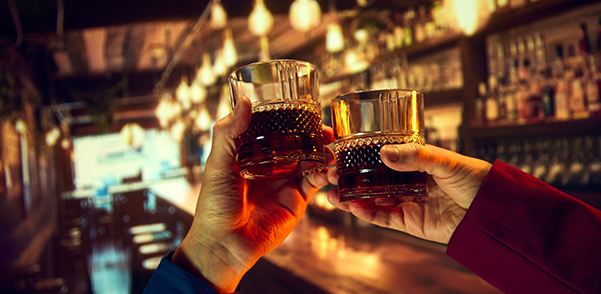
<point x="391" y="152"/>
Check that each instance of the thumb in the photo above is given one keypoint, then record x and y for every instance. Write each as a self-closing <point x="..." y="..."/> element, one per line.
<point x="457" y="175"/>
<point x="433" y="160"/>
<point x="225" y="136"/>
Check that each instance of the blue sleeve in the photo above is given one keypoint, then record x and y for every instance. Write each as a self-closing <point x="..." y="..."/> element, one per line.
<point x="168" y="278"/>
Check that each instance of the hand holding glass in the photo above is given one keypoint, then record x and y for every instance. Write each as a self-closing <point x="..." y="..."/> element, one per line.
<point x="364" y="122"/>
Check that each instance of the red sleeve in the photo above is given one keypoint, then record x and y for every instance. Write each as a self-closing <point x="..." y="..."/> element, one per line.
<point x="524" y="236"/>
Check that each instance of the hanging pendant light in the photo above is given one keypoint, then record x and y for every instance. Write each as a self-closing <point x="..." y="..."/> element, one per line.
<point x="264" y="54"/>
<point x="230" y="55"/>
<point x="177" y="130"/>
<point x="305" y="14"/>
<point x="219" y="67"/>
<point x="198" y="93"/>
<point x="466" y="15"/>
<point x="260" y="20"/>
<point x="52" y="137"/>
<point x="205" y="73"/>
<point x="182" y="93"/>
<point x="334" y="38"/>
<point x="203" y="120"/>
<point x="225" y="106"/>
<point x="218" y="16"/>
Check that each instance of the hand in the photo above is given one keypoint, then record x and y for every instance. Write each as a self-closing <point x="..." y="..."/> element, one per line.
<point x="453" y="183"/>
<point x="237" y="221"/>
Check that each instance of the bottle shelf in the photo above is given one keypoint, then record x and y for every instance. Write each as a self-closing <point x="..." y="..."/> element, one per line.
<point x="558" y="128"/>
<point x="443" y="97"/>
<point x="530" y="13"/>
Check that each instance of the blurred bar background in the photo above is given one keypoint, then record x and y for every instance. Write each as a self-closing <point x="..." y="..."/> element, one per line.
<point x="106" y="112"/>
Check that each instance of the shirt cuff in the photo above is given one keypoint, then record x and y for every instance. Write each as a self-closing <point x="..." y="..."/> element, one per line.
<point x="168" y="278"/>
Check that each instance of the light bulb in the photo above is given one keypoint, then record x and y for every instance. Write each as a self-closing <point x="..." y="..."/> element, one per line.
<point x="334" y="38"/>
<point x="362" y="36"/>
<point x="177" y="130"/>
<point x="21" y="126"/>
<point x="198" y="93"/>
<point x="182" y="93"/>
<point x="225" y="107"/>
<point x="65" y="143"/>
<point x="304" y="14"/>
<point x="260" y="20"/>
<point x="230" y="55"/>
<point x="218" y="16"/>
<point x="219" y="67"/>
<point x="205" y="73"/>
<point x="264" y="53"/>
<point x="203" y="120"/>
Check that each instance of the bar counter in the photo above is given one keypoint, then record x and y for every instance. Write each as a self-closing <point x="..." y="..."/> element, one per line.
<point x="322" y="257"/>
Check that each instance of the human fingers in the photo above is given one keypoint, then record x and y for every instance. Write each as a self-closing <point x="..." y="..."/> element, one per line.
<point x="334" y="200"/>
<point x="459" y="176"/>
<point x="383" y="216"/>
<point x="328" y="134"/>
<point x="330" y="158"/>
<point x="309" y="184"/>
<point x="225" y="133"/>
<point x="333" y="175"/>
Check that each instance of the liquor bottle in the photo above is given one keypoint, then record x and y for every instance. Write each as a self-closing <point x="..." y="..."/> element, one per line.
<point x="409" y="23"/>
<point x="592" y="89"/>
<point x="548" y="95"/>
<point x="562" y="110"/>
<point x="574" y="77"/>
<point x="491" y="108"/>
<point x="419" y="28"/>
<point x="540" y="51"/>
<point x="480" y="106"/>
<point x="535" y="100"/>
<point x="585" y="44"/>
<point x="498" y="89"/>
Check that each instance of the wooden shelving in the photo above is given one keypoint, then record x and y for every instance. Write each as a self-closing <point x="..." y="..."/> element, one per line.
<point x="571" y="127"/>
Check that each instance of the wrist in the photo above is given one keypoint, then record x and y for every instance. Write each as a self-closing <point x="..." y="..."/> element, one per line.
<point x="204" y="261"/>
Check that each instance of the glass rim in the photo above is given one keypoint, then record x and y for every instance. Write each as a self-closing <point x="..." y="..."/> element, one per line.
<point x="232" y="75"/>
<point x="372" y="94"/>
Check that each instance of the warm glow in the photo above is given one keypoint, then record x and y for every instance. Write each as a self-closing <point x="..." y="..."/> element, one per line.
<point x="198" y="93"/>
<point x="321" y="200"/>
<point x="334" y="38"/>
<point x="218" y="16"/>
<point x="66" y="143"/>
<point x="354" y="62"/>
<point x="305" y="15"/>
<point x="230" y="55"/>
<point x="203" y="120"/>
<point x="466" y="15"/>
<point x="344" y="119"/>
<point x="182" y="93"/>
<point x="260" y="20"/>
<point x="21" y="126"/>
<point x="205" y="73"/>
<point x="361" y="36"/>
<point x="177" y="130"/>
<point x="219" y="67"/>
<point x="414" y="113"/>
<point x="225" y="107"/>
<point x="133" y="135"/>
<point x="52" y="136"/>
<point x="264" y="54"/>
